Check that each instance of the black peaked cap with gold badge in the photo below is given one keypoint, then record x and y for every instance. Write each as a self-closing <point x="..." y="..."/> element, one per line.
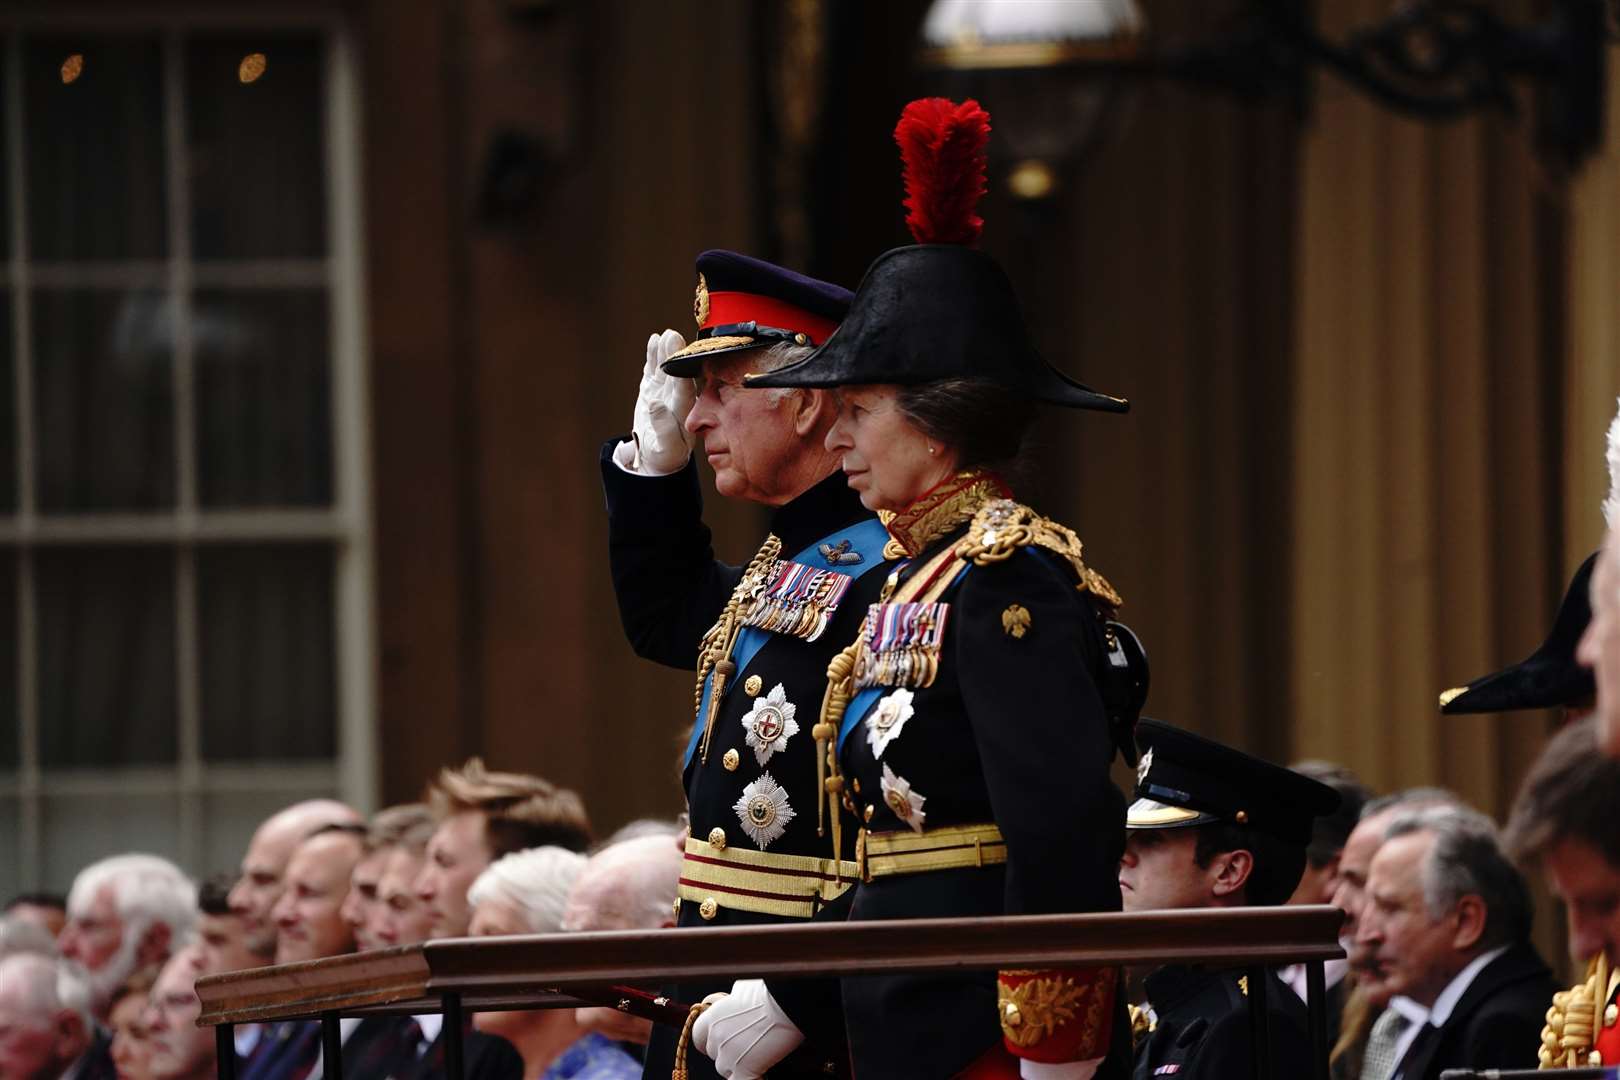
<point x="747" y="303"/>
<point x="1184" y="779"/>
<point x="1548" y="678"/>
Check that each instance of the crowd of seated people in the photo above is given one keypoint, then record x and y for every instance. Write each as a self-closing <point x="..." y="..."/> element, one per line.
<point x="1440" y="972"/>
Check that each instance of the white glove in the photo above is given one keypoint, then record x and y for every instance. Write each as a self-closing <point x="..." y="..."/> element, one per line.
<point x="745" y="1032"/>
<point x="659" y="443"/>
<point x="1066" y="1070"/>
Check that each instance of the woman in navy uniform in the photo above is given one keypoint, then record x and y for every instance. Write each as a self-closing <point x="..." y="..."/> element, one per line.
<point x="966" y="726"/>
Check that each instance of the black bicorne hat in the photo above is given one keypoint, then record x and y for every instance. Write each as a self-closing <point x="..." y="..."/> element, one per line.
<point x="937" y="311"/>
<point x="1184" y="779"/>
<point x="1548" y="678"/>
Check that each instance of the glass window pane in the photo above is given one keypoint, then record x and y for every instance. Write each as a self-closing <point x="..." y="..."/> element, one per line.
<point x="266" y="642"/>
<point x="103" y="399"/>
<point x="94" y="148"/>
<point x="9" y="711"/>
<point x="8" y="410"/>
<point x="263" y="398"/>
<point x="79" y="829"/>
<point x="106" y="656"/>
<point x="11" y="875"/>
<point x="256" y="167"/>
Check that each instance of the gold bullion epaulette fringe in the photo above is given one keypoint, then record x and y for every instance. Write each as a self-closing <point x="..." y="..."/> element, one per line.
<point x="1003" y="526"/>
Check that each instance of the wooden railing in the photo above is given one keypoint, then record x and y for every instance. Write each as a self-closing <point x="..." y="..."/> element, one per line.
<point x="625" y="969"/>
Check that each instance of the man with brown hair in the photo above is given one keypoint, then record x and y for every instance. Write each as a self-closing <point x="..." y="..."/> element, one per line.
<point x="362" y="908"/>
<point x="1564" y="819"/>
<point x="483" y="815"/>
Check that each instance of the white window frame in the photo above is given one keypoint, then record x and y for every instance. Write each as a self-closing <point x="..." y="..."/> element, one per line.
<point x="347" y="525"/>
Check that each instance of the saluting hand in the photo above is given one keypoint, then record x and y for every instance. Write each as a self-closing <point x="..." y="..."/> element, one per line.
<point x="660" y="443"/>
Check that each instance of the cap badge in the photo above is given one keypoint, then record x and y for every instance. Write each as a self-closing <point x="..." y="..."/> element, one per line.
<point x="700" y="302"/>
<point x="838" y="554"/>
<point x="887" y="718"/>
<point x="770" y="724"/>
<point x="764" y="811"/>
<point x="906" y="803"/>
<point x="1144" y="766"/>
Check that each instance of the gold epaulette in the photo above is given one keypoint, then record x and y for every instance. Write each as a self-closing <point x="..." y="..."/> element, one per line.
<point x="1573" y="1019"/>
<point x="1003" y="526"/>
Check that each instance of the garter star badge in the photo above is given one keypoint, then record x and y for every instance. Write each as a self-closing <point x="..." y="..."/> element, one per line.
<point x="906" y="803"/>
<point x="887" y="717"/>
<point x="770" y="724"/>
<point x="764" y="811"/>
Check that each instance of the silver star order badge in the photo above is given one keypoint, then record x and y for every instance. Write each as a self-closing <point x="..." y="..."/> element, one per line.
<point x="1143" y="766"/>
<point x="906" y="803"/>
<point x="770" y="724"/>
<point x="764" y="811"/>
<point x="887" y="718"/>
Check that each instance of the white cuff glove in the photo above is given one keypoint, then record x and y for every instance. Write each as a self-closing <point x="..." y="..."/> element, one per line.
<point x="1066" y="1070"/>
<point x="659" y="444"/>
<point x="745" y="1032"/>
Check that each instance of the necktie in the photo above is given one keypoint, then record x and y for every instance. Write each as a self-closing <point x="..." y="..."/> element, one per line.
<point x="1379" y="1061"/>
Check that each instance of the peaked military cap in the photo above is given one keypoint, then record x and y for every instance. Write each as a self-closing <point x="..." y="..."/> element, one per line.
<point x="1184" y="779"/>
<point x="1548" y="678"/>
<point x="937" y="311"/>
<point x="745" y="303"/>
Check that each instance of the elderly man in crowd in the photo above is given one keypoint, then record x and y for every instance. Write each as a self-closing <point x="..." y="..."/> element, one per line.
<point x="1564" y="819"/>
<point x="46" y="1030"/>
<point x="629" y="885"/>
<point x="126" y="912"/>
<point x="1445" y="927"/>
<point x="525" y="893"/>
<point x="482" y="816"/>
<point x="265" y="861"/>
<point x="363" y="910"/>
<point x="177" y="1048"/>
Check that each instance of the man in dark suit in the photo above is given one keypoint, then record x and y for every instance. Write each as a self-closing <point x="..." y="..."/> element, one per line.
<point x="1446" y="926"/>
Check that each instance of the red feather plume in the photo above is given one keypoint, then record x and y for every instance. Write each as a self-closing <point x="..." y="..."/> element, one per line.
<point x="942" y="148"/>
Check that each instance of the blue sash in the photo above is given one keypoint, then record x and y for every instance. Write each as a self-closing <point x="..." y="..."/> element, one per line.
<point x="866" y="539"/>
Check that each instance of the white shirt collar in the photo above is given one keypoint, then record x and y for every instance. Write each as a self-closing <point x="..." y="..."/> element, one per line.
<point x="431" y="1024"/>
<point x="1458" y="986"/>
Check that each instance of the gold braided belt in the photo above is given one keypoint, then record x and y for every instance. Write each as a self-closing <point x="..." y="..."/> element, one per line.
<point x="758" y="881"/>
<point x="951" y="847"/>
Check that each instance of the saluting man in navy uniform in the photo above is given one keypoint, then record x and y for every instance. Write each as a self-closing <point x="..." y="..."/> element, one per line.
<point x="760" y="636"/>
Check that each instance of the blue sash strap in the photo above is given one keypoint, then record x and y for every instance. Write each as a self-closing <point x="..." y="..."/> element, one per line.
<point x="866" y="539"/>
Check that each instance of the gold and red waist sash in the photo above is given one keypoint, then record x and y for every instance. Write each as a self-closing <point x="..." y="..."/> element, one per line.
<point x="716" y="876"/>
<point x="950" y="847"/>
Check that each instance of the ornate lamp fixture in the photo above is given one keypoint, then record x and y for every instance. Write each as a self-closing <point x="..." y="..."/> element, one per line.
<point x="1436" y="60"/>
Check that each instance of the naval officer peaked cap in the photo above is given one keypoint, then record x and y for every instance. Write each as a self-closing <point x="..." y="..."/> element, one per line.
<point x="1548" y="678"/>
<point x="1184" y="779"/>
<point x="745" y="303"/>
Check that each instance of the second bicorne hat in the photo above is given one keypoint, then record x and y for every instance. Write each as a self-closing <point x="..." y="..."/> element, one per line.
<point x="1550" y="677"/>
<point x="938" y="309"/>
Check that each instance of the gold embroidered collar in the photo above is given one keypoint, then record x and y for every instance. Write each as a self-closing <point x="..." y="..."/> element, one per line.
<point x="943" y="508"/>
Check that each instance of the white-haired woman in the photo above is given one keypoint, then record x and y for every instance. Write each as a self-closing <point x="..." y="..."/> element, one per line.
<point x="526" y="893"/>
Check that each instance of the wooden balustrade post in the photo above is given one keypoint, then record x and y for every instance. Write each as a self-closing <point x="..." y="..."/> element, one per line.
<point x="1316" y="1004"/>
<point x="225" y="1051"/>
<point x="331" y="1047"/>
<point x="453" y="1066"/>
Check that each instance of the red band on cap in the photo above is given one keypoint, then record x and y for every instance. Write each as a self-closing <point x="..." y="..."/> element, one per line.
<point x="726" y="308"/>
